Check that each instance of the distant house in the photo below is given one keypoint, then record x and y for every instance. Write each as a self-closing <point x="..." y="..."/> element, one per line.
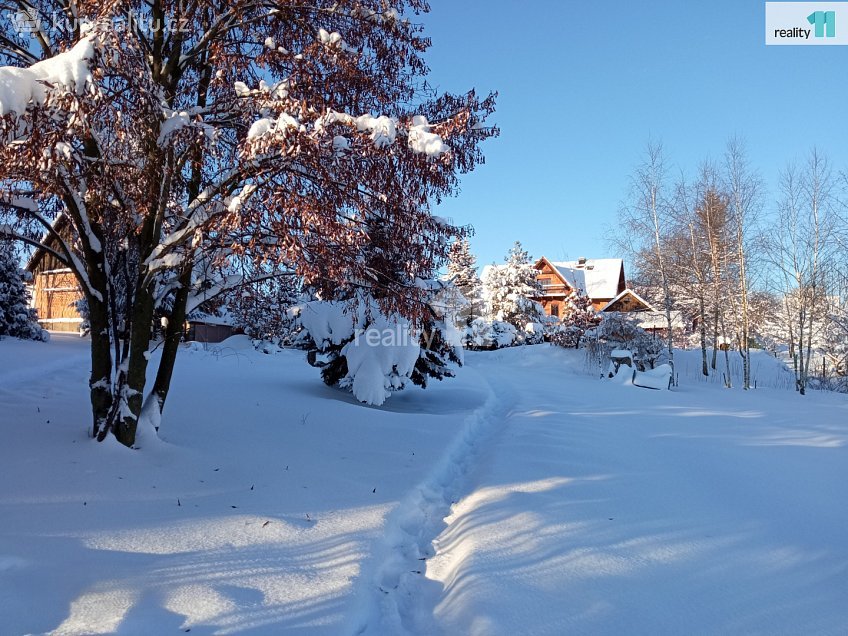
<point x="645" y="314"/>
<point x="627" y="301"/>
<point x="203" y="327"/>
<point x="55" y="290"/>
<point x="601" y="279"/>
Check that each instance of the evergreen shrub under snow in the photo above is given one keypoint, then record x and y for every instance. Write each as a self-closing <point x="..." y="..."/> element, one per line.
<point x="359" y="348"/>
<point x="17" y="318"/>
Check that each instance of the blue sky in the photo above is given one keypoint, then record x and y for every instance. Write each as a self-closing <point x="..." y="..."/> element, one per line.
<point x="581" y="95"/>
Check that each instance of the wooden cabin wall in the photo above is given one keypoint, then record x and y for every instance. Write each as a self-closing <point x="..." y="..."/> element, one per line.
<point x="55" y="294"/>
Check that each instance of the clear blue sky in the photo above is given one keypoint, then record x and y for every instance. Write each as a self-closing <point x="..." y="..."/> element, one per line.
<point x="583" y="86"/>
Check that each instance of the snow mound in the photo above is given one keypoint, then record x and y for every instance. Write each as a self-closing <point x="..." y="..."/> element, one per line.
<point x="658" y="378"/>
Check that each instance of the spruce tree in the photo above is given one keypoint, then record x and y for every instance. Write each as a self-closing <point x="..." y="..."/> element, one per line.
<point x="462" y="271"/>
<point x="439" y="347"/>
<point x="510" y="288"/>
<point x="17" y="319"/>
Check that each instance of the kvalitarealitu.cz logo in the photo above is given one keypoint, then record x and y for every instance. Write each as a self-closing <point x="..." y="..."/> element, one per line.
<point x="29" y="21"/>
<point x="811" y="23"/>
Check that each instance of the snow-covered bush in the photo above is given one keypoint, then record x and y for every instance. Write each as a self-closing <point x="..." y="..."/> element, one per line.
<point x="620" y="331"/>
<point x="536" y="332"/>
<point x="359" y="348"/>
<point x="484" y="334"/>
<point x="17" y="318"/>
<point x="441" y="341"/>
<point x="81" y="306"/>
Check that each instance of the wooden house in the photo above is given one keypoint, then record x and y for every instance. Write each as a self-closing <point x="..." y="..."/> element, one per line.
<point x="627" y="301"/>
<point x="55" y="290"/>
<point x="202" y="327"/>
<point x="601" y="279"/>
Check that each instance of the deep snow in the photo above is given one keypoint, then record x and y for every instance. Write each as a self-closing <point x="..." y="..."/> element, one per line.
<point x="522" y="497"/>
<point x="634" y="511"/>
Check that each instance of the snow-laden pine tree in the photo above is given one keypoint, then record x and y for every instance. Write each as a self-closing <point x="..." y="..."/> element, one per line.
<point x="249" y="137"/>
<point x="17" y="318"/>
<point x="578" y="317"/>
<point x="462" y="271"/>
<point x="360" y="346"/>
<point x="509" y="290"/>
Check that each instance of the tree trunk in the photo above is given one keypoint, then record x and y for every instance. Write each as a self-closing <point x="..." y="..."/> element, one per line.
<point x="805" y="362"/>
<point x="728" y="382"/>
<point x="745" y="352"/>
<point x="744" y="348"/>
<point x="173" y="337"/>
<point x="100" y="381"/>
<point x="174" y="330"/>
<point x="702" y="328"/>
<point x="799" y="364"/>
<point x="132" y="393"/>
<point x="715" y="338"/>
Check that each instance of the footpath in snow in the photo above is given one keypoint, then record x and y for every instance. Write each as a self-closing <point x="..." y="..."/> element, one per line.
<point x="608" y="509"/>
<point x="522" y="497"/>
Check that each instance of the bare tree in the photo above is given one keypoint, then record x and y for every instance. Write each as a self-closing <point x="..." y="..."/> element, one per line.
<point x="711" y="216"/>
<point x="690" y="267"/>
<point x="744" y="191"/>
<point x="799" y="246"/>
<point x="646" y="220"/>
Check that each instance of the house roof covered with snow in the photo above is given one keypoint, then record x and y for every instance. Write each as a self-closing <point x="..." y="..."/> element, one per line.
<point x="598" y="277"/>
<point x="641" y="303"/>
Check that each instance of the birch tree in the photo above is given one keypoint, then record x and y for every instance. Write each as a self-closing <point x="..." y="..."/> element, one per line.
<point x="691" y="265"/>
<point x="744" y="191"/>
<point x="711" y="216"/>
<point x="800" y="246"/>
<point x="646" y="221"/>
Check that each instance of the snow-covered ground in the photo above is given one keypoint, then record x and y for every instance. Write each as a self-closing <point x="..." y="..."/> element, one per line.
<point x="522" y="497"/>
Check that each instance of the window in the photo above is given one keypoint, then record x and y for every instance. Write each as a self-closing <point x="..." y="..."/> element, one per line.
<point x="555" y="309"/>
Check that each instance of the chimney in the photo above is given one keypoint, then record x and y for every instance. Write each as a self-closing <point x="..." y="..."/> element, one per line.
<point x="581" y="262"/>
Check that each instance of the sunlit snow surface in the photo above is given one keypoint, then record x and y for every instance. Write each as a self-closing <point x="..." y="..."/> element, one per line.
<point x="522" y="497"/>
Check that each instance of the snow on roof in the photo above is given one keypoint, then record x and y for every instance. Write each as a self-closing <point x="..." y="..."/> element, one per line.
<point x="598" y="277"/>
<point x="224" y="319"/>
<point x="632" y="293"/>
